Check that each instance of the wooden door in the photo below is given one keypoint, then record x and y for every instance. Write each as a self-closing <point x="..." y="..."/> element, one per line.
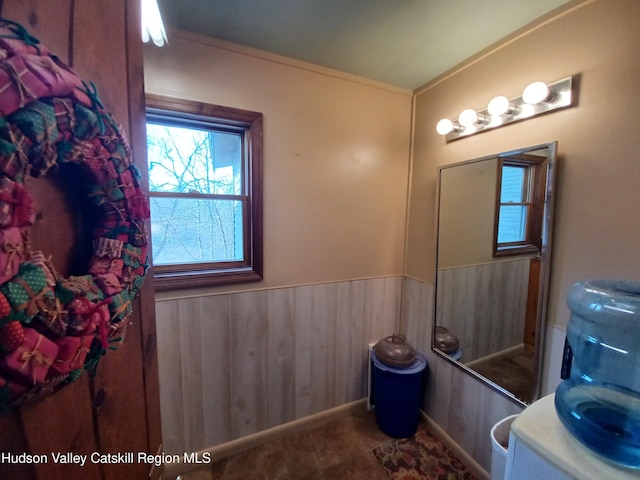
<point x="531" y="313"/>
<point x="118" y="410"/>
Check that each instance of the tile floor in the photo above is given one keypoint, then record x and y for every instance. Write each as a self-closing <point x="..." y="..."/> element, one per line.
<point x="340" y="449"/>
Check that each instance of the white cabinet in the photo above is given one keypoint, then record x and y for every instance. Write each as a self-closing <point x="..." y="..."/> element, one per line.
<point x="526" y="464"/>
<point x="540" y="447"/>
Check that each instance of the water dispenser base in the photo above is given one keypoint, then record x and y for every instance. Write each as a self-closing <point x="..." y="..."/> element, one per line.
<point x="604" y="419"/>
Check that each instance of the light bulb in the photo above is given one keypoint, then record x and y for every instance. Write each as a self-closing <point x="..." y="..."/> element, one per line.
<point x="499" y="106"/>
<point x="468" y="117"/>
<point x="535" y="92"/>
<point x="444" y="126"/>
<point x="527" y="110"/>
<point x="152" y="26"/>
<point x="470" y="130"/>
<point x="496" y="121"/>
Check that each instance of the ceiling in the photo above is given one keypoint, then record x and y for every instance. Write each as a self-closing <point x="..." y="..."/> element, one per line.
<point x="405" y="43"/>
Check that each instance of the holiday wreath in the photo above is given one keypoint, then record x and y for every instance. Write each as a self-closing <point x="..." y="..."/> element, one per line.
<point x="53" y="328"/>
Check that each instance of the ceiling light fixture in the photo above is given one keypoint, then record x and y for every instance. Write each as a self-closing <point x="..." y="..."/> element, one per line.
<point x="537" y="98"/>
<point x="152" y="26"/>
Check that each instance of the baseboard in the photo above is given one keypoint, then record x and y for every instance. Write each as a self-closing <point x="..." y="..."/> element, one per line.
<point x="243" y="444"/>
<point x="457" y="450"/>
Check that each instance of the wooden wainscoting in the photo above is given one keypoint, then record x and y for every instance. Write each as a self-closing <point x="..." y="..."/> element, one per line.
<point x="484" y="305"/>
<point x="236" y="364"/>
<point x="458" y="403"/>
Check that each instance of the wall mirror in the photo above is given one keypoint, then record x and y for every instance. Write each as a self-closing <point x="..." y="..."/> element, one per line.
<point x="494" y="225"/>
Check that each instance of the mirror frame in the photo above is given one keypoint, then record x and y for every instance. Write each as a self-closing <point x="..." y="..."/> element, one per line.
<point x="545" y="268"/>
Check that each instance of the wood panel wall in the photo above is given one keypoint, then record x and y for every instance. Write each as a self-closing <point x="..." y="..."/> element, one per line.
<point x="236" y="364"/>
<point x="461" y="405"/>
<point x="118" y="409"/>
<point x="484" y="305"/>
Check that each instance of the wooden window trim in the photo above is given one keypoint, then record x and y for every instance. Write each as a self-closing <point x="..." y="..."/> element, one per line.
<point x="537" y="187"/>
<point x="187" y="112"/>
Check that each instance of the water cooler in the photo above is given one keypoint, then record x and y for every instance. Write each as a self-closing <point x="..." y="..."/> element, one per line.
<point x="599" y="400"/>
<point x="540" y="447"/>
<point x="590" y="428"/>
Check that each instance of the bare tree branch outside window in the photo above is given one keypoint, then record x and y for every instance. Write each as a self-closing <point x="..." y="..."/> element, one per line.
<point x="195" y="180"/>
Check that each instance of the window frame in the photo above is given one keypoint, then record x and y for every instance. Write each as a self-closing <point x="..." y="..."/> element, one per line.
<point x="186" y="113"/>
<point x="534" y="202"/>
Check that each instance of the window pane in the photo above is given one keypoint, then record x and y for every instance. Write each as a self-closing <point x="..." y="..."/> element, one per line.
<point x="194" y="160"/>
<point x="186" y="230"/>
<point x="512" y="189"/>
<point x="512" y="223"/>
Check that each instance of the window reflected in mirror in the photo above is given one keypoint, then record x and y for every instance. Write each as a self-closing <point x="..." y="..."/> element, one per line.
<point x="493" y="246"/>
<point x="519" y="201"/>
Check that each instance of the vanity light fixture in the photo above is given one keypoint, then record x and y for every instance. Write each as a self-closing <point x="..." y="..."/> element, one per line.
<point x="500" y="105"/>
<point x="536" y="98"/>
<point x="445" y="126"/>
<point x="470" y="117"/>
<point x="536" y="92"/>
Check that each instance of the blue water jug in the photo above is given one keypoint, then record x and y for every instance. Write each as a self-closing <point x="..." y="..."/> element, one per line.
<point x="599" y="398"/>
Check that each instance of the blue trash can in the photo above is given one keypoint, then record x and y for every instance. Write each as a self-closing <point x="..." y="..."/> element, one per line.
<point x="396" y="396"/>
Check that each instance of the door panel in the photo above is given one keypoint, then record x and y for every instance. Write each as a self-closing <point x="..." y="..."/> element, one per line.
<point x="118" y="409"/>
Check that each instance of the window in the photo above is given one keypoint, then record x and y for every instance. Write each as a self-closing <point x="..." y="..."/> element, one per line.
<point x="519" y="206"/>
<point x="205" y="192"/>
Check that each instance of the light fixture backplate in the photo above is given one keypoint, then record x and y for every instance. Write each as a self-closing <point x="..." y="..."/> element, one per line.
<point x="562" y="96"/>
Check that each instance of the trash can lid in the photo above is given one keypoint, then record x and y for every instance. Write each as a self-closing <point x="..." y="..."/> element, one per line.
<point x="419" y="364"/>
<point x="446" y="341"/>
<point x="395" y="351"/>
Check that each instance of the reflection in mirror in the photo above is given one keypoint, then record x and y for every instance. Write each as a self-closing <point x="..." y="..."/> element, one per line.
<point x="493" y="256"/>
